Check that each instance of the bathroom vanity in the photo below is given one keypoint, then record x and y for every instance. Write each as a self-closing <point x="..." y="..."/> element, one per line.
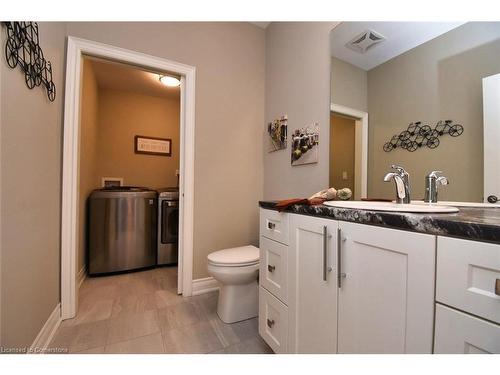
<point x="364" y="276"/>
<point x="336" y="280"/>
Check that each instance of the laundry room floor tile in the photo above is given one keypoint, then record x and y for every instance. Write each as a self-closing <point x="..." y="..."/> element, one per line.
<point x="132" y="325"/>
<point x="254" y="345"/>
<point x="133" y="304"/>
<point x="196" y="338"/>
<point x="151" y="344"/>
<point x="141" y="312"/>
<point x="82" y="336"/>
<point x="179" y="315"/>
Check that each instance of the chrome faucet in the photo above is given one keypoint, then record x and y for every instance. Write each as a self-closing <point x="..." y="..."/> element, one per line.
<point x="402" y="180"/>
<point x="432" y="180"/>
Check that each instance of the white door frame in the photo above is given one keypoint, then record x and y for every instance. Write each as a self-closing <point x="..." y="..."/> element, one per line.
<point x="361" y="155"/>
<point x="491" y="135"/>
<point x="70" y="185"/>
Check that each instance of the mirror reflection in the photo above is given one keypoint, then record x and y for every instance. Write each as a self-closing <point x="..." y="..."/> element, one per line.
<point x="422" y="95"/>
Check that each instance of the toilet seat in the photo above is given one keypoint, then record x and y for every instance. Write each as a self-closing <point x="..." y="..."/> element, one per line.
<point x="235" y="257"/>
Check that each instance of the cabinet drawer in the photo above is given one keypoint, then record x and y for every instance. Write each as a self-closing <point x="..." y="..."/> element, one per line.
<point x="460" y="333"/>
<point x="273" y="321"/>
<point x="467" y="274"/>
<point x="274" y="225"/>
<point x="274" y="268"/>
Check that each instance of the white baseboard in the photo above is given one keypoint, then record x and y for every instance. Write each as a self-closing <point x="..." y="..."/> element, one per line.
<point x="47" y="332"/>
<point x="205" y="285"/>
<point x="81" y="276"/>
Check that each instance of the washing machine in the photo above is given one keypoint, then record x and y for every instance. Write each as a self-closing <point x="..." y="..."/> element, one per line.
<point x="168" y="226"/>
<point x="122" y="229"/>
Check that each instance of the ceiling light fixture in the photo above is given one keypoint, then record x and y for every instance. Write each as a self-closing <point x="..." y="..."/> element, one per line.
<point x="170" y="81"/>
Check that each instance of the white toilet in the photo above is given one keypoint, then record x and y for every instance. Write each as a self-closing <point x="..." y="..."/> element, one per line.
<point x="237" y="270"/>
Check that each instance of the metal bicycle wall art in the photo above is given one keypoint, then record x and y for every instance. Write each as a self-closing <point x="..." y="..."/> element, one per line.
<point x="22" y="48"/>
<point x="418" y="135"/>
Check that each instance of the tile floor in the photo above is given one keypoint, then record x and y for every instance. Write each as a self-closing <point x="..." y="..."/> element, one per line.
<point x="142" y="313"/>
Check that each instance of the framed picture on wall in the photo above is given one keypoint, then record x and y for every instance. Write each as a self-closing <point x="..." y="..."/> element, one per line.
<point x="305" y="145"/>
<point x="153" y="146"/>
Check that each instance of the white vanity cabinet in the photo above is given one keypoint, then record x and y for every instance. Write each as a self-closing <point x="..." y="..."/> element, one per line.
<point x="386" y="291"/>
<point x="273" y="279"/>
<point x="461" y="333"/>
<point x="383" y="304"/>
<point x="467" y="296"/>
<point x="312" y="285"/>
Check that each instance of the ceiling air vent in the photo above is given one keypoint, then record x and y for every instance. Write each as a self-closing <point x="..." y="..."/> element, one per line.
<point x="365" y="41"/>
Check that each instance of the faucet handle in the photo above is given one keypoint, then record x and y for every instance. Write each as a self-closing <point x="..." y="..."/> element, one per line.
<point x="439" y="177"/>
<point x="435" y="174"/>
<point x="443" y="180"/>
<point x="399" y="169"/>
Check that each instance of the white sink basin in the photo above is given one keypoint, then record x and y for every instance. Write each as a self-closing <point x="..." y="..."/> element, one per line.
<point x="461" y="204"/>
<point x="421" y="207"/>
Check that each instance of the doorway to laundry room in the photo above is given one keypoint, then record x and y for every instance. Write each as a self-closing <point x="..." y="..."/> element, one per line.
<point x="129" y="162"/>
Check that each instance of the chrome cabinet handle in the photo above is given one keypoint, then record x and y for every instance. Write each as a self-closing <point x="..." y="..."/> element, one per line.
<point x="340" y="274"/>
<point x="325" y="250"/>
<point x="270" y="323"/>
<point x="271" y="225"/>
<point x="497" y="287"/>
<point x="271" y="268"/>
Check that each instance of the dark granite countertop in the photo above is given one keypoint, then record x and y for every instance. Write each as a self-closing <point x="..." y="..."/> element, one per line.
<point x="479" y="224"/>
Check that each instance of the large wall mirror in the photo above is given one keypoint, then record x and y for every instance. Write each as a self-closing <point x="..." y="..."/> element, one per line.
<point x="388" y="75"/>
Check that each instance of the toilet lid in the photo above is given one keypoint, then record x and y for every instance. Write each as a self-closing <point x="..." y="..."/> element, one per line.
<point x="236" y="256"/>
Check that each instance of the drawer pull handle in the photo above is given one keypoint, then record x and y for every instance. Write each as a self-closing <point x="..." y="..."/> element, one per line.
<point x="270" y="323"/>
<point x="271" y="268"/>
<point x="497" y="287"/>
<point x="271" y="225"/>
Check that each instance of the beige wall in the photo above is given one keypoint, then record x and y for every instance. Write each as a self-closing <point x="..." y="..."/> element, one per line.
<point x="230" y="62"/>
<point x="349" y="85"/>
<point x="229" y="58"/>
<point x="440" y="79"/>
<point x="122" y="116"/>
<point x="342" y="151"/>
<point x="30" y="198"/>
<point x="88" y="178"/>
<point x="298" y="84"/>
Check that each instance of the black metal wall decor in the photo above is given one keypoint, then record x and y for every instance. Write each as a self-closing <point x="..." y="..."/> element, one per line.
<point x="418" y="135"/>
<point x="22" y="49"/>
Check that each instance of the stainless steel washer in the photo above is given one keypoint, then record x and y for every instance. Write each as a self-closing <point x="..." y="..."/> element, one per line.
<point x="168" y="226"/>
<point x="122" y="229"/>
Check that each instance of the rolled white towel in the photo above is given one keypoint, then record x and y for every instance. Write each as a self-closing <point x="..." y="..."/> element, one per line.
<point x="327" y="194"/>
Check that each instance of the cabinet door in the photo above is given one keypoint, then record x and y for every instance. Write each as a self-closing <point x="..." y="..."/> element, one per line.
<point x="312" y="285"/>
<point x="467" y="276"/>
<point x="386" y="299"/>
<point x="459" y="333"/>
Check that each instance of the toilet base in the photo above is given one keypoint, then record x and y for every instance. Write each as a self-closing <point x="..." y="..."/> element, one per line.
<point x="238" y="302"/>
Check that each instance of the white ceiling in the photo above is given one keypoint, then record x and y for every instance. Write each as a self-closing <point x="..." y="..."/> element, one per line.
<point x="400" y="37"/>
<point x="117" y="76"/>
